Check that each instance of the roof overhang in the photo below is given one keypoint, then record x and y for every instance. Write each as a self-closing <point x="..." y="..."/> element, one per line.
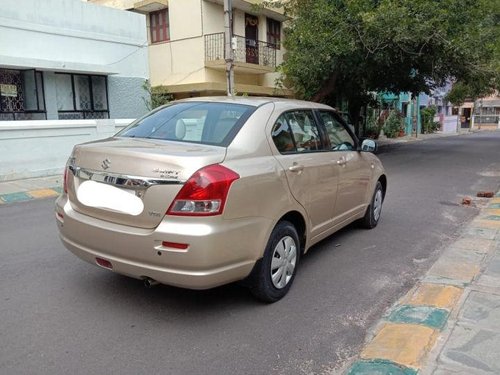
<point x="11" y="62"/>
<point x="148" y="6"/>
<point x="254" y="6"/>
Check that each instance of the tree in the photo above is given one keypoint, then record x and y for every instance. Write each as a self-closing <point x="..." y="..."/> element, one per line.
<point x="340" y="49"/>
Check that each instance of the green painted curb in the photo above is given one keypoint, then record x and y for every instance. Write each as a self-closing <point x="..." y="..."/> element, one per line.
<point x="494" y="205"/>
<point x="379" y="367"/>
<point x="429" y="316"/>
<point x="493" y="217"/>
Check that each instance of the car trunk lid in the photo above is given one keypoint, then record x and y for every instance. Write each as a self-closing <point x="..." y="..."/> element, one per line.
<point x="133" y="181"/>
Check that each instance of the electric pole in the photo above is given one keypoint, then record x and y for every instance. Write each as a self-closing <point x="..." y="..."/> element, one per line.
<point x="228" y="50"/>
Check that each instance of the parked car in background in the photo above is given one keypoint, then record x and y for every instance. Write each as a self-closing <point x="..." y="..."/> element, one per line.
<point x="207" y="191"/>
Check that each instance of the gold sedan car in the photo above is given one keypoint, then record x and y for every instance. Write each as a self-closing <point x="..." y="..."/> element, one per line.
<point x="207" y="191"/>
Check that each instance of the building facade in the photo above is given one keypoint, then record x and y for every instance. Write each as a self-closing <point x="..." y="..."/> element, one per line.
<point x="66" y="59"/>
<point x="186" y="45"/>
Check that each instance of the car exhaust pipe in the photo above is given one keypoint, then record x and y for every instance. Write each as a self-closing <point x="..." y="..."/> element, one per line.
<point x="150" y="283"/>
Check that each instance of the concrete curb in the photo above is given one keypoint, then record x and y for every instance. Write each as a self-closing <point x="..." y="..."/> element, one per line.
<point x="29" y="189"/>
<point x="413" y="333"/>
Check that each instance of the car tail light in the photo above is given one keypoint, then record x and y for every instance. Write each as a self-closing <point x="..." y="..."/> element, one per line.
<point x="205" y="193"/>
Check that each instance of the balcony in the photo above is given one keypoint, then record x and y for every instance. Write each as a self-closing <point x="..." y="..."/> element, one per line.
<point x="250" y="57"/>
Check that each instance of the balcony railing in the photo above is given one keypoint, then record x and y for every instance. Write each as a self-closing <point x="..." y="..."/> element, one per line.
<point x="247" y="50"/>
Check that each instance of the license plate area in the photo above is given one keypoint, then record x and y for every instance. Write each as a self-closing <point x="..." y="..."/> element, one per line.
<point x="98" y="195"/>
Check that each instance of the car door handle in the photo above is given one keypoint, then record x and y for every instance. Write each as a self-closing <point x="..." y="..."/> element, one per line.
<point x="296" y="168"/>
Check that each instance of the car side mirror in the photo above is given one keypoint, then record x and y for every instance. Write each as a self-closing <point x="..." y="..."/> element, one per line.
<point x="369" y="145"/>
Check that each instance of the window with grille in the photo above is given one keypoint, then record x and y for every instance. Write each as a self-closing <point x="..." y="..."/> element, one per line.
<point x="81" y="96"/>
<point x="274" y="33"/>
<point x="21" y="95"/>
<point x="159" y="26"/>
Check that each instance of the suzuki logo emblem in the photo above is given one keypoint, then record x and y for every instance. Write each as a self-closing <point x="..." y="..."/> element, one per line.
<point x="105" y="163"/>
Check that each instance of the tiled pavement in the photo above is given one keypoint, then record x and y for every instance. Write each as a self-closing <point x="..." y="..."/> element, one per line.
<point x="23" y="190"/>
<point x="449" y="323"/>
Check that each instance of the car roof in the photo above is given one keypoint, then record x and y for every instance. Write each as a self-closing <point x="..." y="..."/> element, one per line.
<point x="256" y="101"/>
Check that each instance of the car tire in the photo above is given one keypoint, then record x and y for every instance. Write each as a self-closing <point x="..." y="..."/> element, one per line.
<point x="374" y="210"/>
<point x="273" y="275"/>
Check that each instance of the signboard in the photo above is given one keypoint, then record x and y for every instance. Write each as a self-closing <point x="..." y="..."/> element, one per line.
<point x="8" y="90"/>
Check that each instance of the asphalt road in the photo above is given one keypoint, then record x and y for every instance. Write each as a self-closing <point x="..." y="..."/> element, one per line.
<point x="59" y="315"/>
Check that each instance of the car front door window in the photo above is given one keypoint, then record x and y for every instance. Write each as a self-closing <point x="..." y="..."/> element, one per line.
<point x="339" y="137"/>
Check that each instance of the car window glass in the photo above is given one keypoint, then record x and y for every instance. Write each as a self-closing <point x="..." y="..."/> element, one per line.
<point x="207" y="123"/>
<point x="305" y="130"/>
<point x="282" y="136"/>
<point x="340" y="139"/>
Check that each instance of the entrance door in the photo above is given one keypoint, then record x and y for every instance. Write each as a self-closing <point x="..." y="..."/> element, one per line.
<point x="465" y="119"/>
<point x="251" y="39"/>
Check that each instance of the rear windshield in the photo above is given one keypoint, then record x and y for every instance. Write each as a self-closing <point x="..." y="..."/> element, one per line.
<point x="195" y="122"/>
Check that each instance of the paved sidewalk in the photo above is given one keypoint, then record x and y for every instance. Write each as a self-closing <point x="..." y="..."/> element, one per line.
<point x="28" y="189"/>
<point x="449" y="323"/>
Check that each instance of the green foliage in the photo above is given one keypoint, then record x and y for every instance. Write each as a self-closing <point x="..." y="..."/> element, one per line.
<point x="157" y="96"/>
<point x="393" y="124"/>
<point x="373" y="126"/>
<point x="347" y="49"/>
<point x="428" y="124"/>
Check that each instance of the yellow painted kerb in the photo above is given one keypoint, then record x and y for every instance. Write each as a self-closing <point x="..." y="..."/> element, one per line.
<point x="43" y="193"/>
<point x="405" y="344"/>
<point x="441" y="296"/>
<point x="486" y="224"/>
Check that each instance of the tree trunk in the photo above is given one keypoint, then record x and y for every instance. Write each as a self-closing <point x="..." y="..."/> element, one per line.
<point x="327" y="88"/>
<point x="354" y="107"/>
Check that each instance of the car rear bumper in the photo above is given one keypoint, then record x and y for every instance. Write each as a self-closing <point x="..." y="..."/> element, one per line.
<point x="219" y="252"/>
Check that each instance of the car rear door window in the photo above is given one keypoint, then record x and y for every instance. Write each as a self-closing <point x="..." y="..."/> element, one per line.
<point x="296" y="131"/>
<point x="339" y="137"/>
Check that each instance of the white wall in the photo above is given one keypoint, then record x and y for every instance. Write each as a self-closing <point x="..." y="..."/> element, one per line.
<point x="41" y="148"/>
<point x="71" y="35"/>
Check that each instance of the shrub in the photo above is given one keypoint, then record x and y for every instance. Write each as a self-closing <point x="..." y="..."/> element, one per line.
<point x="428" y="124"/>
<point x="393" y="125"/>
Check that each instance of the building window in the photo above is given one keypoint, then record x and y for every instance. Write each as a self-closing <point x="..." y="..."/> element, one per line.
<point x="274" y="33"/>
<point x="21" y="95"/>
<point x="82" y="96"/>
<point x="159" y="26"/>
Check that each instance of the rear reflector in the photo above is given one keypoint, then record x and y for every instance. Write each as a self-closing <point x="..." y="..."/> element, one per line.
<point x="104" y="263"/>
<point x="175" y="245"/>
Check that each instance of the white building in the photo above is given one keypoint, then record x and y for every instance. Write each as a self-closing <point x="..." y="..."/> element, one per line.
<point x="70" y="72"/>
<point x="66" y="59"/>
